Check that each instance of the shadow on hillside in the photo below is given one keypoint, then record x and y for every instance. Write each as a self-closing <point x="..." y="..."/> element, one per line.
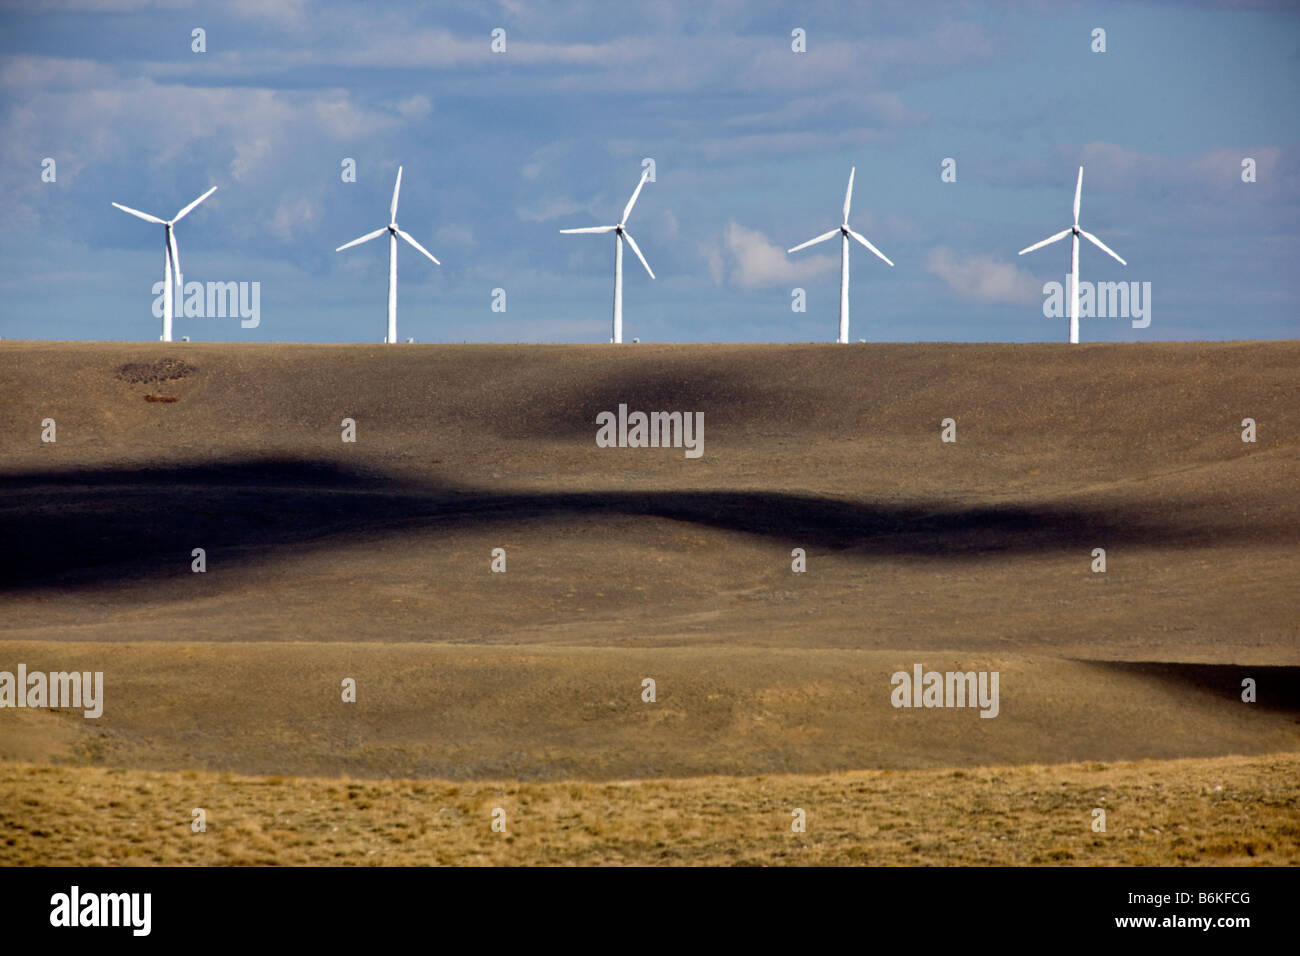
<point x="725" y="395"/>
<point x="1276" y="687"/>
<point x="82" y="528"/>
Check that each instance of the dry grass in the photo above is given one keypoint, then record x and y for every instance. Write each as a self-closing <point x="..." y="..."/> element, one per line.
<point x="1225" y="811"/>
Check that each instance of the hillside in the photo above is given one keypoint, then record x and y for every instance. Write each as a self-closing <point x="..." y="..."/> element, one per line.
<point x="371" y="560"/>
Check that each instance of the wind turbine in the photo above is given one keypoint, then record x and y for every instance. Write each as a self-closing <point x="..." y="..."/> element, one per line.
<point x="844" y="232"/>
<point x="621" y="233"/>
<point x="393" y="231"/>
<point x="1074" y="232"/>
<point x="171" y="254"/>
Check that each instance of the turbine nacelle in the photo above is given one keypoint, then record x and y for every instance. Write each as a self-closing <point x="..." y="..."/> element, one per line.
<point x="1075" y="231"/>
<point x="845" y="229"/>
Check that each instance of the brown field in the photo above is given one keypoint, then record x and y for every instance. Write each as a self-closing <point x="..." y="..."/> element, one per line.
<point x="1226" y="811"/>
<point x="328" y="560"/>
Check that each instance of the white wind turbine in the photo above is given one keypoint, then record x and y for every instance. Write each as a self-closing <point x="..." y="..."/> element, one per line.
<point x="1075" y="232"/>
<point x="393" y="232"/>
<point x="844" y="232"/>
<point x="621" y="233"/>
<point x="171" y="254"/>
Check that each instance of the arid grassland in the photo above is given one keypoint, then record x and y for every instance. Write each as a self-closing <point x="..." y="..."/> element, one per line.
<point x="825" y="540"/>
<point x="1229" y="811"/>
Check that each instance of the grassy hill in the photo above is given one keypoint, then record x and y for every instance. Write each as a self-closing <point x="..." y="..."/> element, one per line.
<point x="371" y="560"/>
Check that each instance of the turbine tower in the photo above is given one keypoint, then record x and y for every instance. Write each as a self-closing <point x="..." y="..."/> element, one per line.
<point x="171" y="254"/>
<point x="844" y="232"/>
<point x="1074" y="232"/>
<point x="393" y="231"/>
<point x="620" y="233"/>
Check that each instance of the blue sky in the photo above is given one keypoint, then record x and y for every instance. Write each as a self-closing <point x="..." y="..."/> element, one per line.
<point x="752" y="145"/>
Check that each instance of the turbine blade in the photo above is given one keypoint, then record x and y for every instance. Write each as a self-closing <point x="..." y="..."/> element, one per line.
<point x="186" y="211"/>
<point x="140" y="215"/>
<point x="813" y="242"/>
<point x="632" y="242"/>
<point x="176" y="255"/>
<point x="848" y="193"/>
<point x="627" y="210"/>
<point x="1046" y="242"/>
<point x="397" y="187"/>
<point x="1078" y="192"/>
<point x="591" y="229"/>
<point x="418" y="246"/>
<point x="863" y="240"/>
<point x="366" y="238"/>
<point x="1102" y="246"/>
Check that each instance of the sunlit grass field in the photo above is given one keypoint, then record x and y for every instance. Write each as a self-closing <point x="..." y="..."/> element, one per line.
<point x="1226" y="811"/>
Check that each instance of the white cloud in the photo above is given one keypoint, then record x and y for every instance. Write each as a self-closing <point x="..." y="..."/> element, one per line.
<point x="750" y="260"/>
<point x="983" y="278"/>
<point x="248" y="156"/>
<point x="721" y="59"/>
<point x="249" y="134"/>
<point x="415" y="107"/>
